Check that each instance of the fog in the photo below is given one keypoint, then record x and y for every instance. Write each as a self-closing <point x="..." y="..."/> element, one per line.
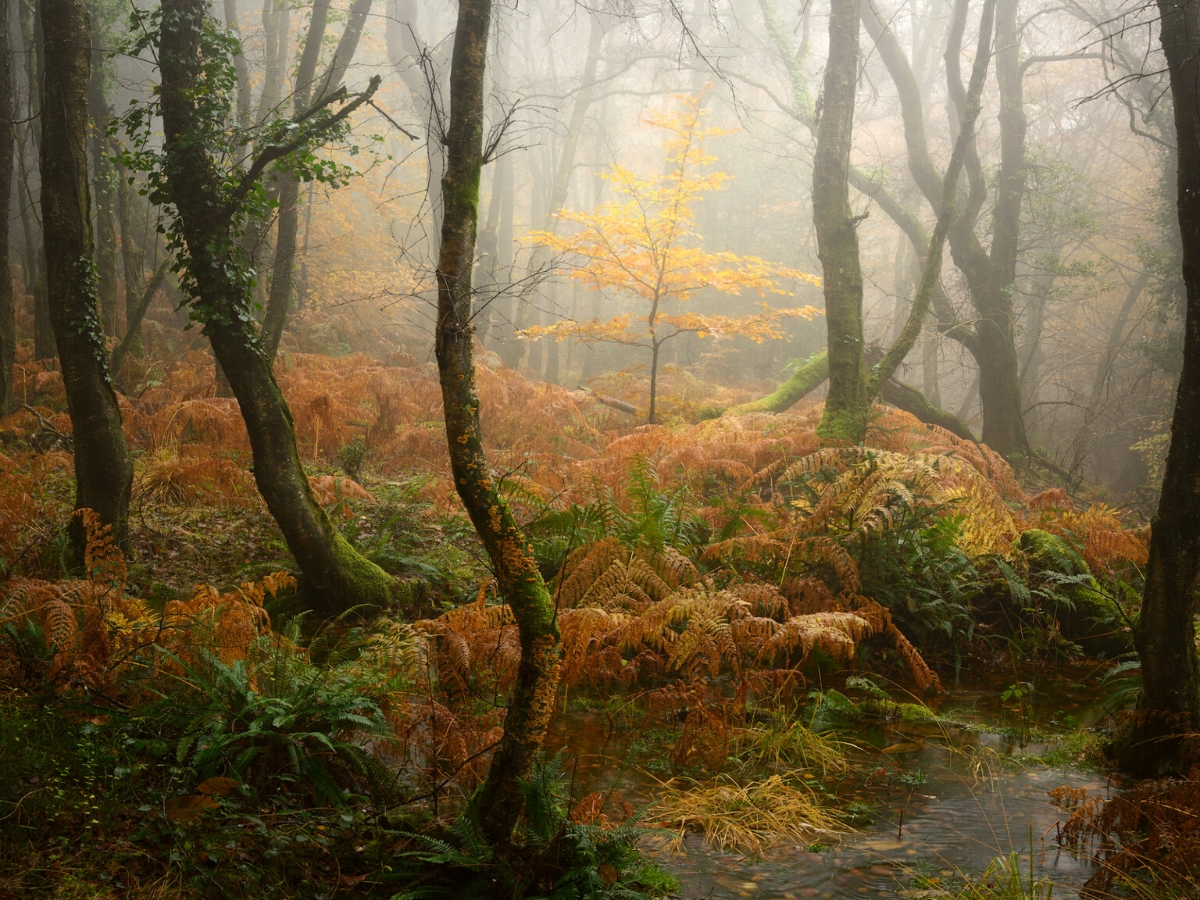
<point x="575" y="96"/>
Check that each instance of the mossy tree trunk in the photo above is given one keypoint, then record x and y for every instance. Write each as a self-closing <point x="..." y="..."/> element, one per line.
<point x="1169" y="706"/>
<point x="498" y="802"/>
<point x="8" y="325"/>
<point x="337" y="577"/>
<point x="837" y="231"/>
<point x="806" y="379"/>
<point x="103" y="473"/>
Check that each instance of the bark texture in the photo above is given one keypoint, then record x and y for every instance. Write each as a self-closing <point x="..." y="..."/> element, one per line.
<point x="498" y="802"/>
<point x="1169" y="707"/>
<point x="337" y="577"/>
<point x="103" y="473"/>
<point x="837" y="235"/>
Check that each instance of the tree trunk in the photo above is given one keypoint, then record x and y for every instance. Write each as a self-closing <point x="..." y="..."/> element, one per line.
<point x="837" y="236"/>
<point x="241" y="67"/>
<point x="337" y="577"/>
<point x="8" y="325"/>
<point x="103" y="473"/>
<point x="132" y="261"/>
<point x="277" y="23"/>
<point x="498" y="802"/>
<point x="288" y="229"/>
<point x="1169" y="705"/>
<point x="134" y="320"/>
<point x="105" y="183"/>
<point x="931" y="275"/>
<point x="989" y="277"/>
<point x="30" y="18"/>
<point x="280" y="300"/>
<point x="414" y="62"/>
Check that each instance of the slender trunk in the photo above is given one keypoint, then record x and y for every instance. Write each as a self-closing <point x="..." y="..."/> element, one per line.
<point x="989" y="276"/>
<point x="103" y="473"/>
<point x="498" y="802"/>
<point x="135" y="316"/>
<point x="837" y="234"/>
<point x="652" y="416"/>
<point x="241" y="67"/>
<point x="1000" y="384"/>
<point x="105" y="184"/>
<point x="132" y="261"/>
<point x="287" y="234"/>
<point x="419" y="69"/>
<point x="30" y="17"/>
<point x="337" y="577"/>
<point x="8" y="325"/>
<point x="1169" y="706"/>
<point x="288" y="229"/>
<point x="931" y="276"/>
<point x="930" y="346"/>
<point x="277" y="30"/>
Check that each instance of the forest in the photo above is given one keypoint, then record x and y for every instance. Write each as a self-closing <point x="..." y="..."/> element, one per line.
<point x="623" y="450"/>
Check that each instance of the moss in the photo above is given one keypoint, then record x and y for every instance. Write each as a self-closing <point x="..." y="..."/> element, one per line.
<point x="842" y="425"/>
<point x="1087" y="615"/>
<point x="804" y="381"/>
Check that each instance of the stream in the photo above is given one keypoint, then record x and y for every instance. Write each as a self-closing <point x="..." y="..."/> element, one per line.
<point x="945" y="799"/>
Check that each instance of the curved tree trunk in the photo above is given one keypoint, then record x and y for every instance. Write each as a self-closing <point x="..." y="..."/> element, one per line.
<point x="103" y="473"/>
<point x="837" y="235"/>
<point x="498" y="802"/>
<point x="338" y="577"/>
<point x="1169" y="706"/>
<point x="989" y="275"/>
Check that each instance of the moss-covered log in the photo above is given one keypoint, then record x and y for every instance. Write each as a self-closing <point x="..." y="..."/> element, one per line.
<point x="806" y="379"/>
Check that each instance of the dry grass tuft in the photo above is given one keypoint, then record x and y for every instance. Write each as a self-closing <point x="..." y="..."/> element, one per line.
<point x="749" y="817"/>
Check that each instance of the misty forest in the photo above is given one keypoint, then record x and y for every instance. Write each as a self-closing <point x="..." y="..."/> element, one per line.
<point x="624" y="449"/>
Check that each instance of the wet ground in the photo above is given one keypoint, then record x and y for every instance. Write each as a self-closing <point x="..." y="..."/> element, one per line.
<point x="943" y="798"/>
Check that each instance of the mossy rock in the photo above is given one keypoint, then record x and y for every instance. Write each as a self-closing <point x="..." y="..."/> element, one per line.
<point x="1086" y="616"/>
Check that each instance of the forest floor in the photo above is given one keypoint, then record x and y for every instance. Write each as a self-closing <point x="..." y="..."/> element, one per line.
<point x="819" y="670"/>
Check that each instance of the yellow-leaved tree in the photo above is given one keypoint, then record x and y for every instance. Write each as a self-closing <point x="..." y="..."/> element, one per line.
<point x="643" y="244"/>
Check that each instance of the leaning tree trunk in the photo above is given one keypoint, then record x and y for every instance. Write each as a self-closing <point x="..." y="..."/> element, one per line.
<point x="103" y="473"/>
<point x="8" y="329"/>
<point x="1169" y="706"/>
<point x="337" y="577"/>
<point x="498" y="803"/>
<point x="837" y="235"/>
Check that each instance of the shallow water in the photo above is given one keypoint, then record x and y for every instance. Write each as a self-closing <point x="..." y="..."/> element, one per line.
<point x="945" y="799"/>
